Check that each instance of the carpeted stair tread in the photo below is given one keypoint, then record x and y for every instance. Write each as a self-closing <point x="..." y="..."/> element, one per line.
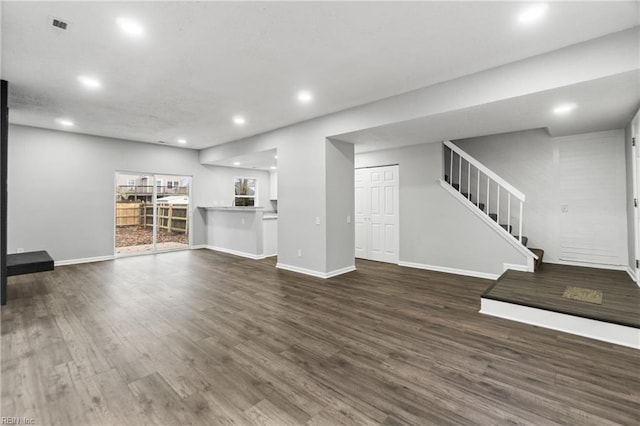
<point x="507" y="228"/>
<point x="525" y="240"/>
<point x="481" y="206"/>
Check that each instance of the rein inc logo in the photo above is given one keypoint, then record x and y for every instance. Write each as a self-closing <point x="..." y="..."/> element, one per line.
<point x="17" y="421"/>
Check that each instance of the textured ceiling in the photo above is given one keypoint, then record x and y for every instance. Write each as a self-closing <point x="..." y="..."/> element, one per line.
<point x="199" y="64"/>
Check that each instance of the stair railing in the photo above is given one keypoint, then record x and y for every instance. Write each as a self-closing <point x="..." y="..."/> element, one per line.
<point x="496" y="187"/>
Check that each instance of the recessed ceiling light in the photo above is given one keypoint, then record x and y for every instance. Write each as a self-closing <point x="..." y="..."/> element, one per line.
<point x="533" y="13"/>
<point x="564" y="108"/>
<point x="182" y="141"/>
<point x="130" y="27"/>
<point x="273" y="167"/>
<point x="305" y="96"/>
<point x="64" y="122"/>
<point x="235" y="163"/>
<point x="89" y="82"/>
<point x="275" y="156"/>
<point x="239" y="120"/>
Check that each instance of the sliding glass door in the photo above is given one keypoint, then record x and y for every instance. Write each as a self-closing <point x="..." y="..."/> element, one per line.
<point x="152" y="213"/>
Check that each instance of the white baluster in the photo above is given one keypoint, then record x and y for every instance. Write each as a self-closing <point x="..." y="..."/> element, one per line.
<point x="459" y="173"/>
<point x="469" y="181"/>
<point x="478" y="192"/>
<point x="520" y="226"/>
<point x="508" y="212"/>
<point x="491" y="176"/>
<point x="488" y="205"/>
<point x="451" y="168"/>
<point x="498" y="204"/>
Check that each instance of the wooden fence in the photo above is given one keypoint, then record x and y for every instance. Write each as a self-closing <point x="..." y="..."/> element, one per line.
<point x="127" y="214"/>
<point x="171" y="217"/>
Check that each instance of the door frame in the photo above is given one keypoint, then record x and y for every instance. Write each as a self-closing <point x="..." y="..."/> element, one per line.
<point x="150" y="176"/>
<point x="635" y="166"/>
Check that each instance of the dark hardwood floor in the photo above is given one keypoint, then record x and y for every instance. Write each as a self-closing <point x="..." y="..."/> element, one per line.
<point x="204" y="338"/>
<point x="620" y="301"/>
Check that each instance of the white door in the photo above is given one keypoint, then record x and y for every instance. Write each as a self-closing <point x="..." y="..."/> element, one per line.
<point x="636" y="214"/>
<point x="635" y="133"/>
<point x="376" y="213"/>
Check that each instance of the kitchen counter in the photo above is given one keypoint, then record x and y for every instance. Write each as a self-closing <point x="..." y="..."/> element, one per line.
<point x="232" y="208"/>
<point x="243" y="231"/>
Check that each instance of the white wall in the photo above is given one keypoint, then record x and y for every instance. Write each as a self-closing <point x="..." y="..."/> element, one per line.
<point x="61" y="188"/>
<point x="435" y="229"/>
<point x="236" y="231"/>
<point x="302" y="243"/>
<point x="340" y="204"/>
<point x="302" y="164"/>
<point x="584" y="172"/>
<point x="220" y="185"/>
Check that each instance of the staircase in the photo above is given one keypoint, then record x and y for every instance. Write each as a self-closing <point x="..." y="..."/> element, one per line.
<point x="481" y="188"/>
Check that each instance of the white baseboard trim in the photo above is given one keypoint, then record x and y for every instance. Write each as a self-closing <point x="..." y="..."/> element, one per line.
<point x="448" y="270"/>
<point x="514" y="267"/>
<point x="340" y="271"/>
<point x="83" y="260"/>
<point x="313" y="273"/>
<point x="236" y="252"/>
<point x="593" y="329"/>
<point x="589" y="265"/>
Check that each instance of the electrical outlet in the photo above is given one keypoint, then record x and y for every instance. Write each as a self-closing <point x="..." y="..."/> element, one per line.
<point x="348" y="219"/>
<point x="243" y="220"/>
<point x="299" y="252"/>
<point x="564" y="208"/>
<point x="20" y="250"/>
<point x="317" y="220"/>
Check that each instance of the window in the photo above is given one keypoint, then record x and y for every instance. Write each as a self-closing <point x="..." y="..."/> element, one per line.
<point x="173" y="184"/>
<point x="159" y="185"/>
<point x="245" y="192"/>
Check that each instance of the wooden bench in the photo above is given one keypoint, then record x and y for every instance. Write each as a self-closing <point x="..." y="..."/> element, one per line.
<point x="28" y="263"/>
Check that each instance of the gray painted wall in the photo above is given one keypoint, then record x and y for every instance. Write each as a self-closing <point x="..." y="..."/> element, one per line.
<point x="235" y="230"/>
<point x="302" y="200"/>
<point x="301" y="146"/>
<point x="219" y="181"/>
<point x="436" y="229"/>
<point x="61" y="188"/>
<point x="584" y="172"/>
<point x="340" y="204"/>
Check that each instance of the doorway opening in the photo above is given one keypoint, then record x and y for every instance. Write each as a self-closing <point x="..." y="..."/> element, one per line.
<point x="151" y="213"/>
